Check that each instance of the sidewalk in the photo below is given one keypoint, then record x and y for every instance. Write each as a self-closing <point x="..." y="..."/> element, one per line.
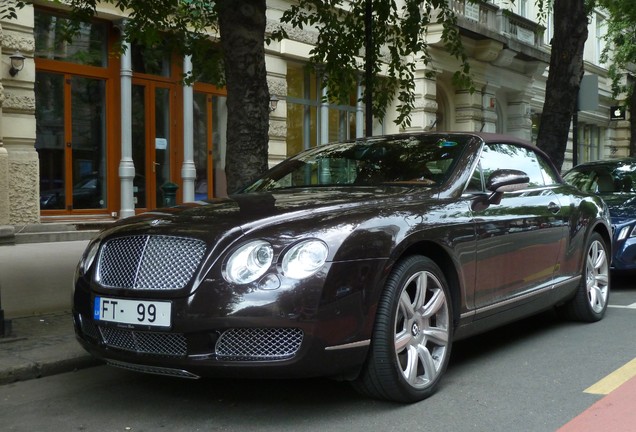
<point x="40" y="346"/>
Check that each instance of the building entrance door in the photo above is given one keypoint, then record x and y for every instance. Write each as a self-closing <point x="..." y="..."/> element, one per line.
<point x="153" y="143"/>
<point x="71" y="143"/>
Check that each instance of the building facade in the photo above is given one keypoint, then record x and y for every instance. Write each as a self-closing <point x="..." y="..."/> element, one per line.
<point x="85" y="134"/>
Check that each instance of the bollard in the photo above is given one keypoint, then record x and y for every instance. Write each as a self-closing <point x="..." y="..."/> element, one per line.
<point x="169" y="190"/>
<point x="5" y="325"/>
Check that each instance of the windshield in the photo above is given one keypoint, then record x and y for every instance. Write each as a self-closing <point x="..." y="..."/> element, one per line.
<point x="603" y="178"/>
<point x="425" y="161"/>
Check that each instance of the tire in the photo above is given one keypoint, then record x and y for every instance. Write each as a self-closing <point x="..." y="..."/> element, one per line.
<point x="590" y="301"/>
<point x="412" y="337"/>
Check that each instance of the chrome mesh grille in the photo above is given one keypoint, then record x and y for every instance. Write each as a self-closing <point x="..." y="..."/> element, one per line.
<point x="161" y="344"/>
<point x="88" y="328"/>
<point x="259" y="343"/>
<point x="149" y="262"/>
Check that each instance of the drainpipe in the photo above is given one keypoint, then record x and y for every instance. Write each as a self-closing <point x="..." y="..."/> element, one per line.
<point x="188" y="169"/>
<point x="126" y="164"/>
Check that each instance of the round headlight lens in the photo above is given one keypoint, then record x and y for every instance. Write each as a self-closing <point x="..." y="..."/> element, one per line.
<point x="249" y="262"/>
<point x="305" y="259"/>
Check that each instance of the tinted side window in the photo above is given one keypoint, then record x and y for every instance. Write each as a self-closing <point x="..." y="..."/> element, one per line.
<point x="510" y="156"/>
<point x="547" y="170"/>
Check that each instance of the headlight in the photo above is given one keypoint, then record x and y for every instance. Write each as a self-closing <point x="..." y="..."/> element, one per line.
<point x="249" y="262"/>
<point x="88" y="257"/>
<point x="304" y="259"/>
<point x="625" y="231"/>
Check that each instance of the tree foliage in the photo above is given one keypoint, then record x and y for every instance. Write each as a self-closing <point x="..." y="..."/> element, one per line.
<point x="620" y="54"/>
<point x="399" y="31"/>
<point x="620" y="50"/>
<point x="9" y="8"/>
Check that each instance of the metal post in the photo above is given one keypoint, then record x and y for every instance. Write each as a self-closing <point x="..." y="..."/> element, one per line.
<point x="575" y="137"/>
<point x="5" y="325"/>
<point x="368" y="68"/>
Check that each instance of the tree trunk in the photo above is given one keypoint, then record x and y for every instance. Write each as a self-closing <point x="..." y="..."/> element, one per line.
<point x="564" y="77"/>
<point x="632" y="120"/>
<point x="242" y="27"/>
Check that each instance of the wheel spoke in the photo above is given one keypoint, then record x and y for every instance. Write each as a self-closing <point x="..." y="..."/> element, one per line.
<point x="435" y="304"/>
<point x="430" y="369"/>
<point x="600" y="260"/>
<point x="406" y="306"/>
<point x="410" y="372"/>
<point x="436" y="335"/>
<point x="402" y="340"/>
<point x="420" y="294"/>
<point x="597" y="299"/>
<point x="601" y="280"/>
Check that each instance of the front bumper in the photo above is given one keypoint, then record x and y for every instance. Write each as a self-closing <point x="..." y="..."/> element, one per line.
<point x="319" y="328"/>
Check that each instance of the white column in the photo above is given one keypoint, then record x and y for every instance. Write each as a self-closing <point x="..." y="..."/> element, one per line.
<point x="188" y="169"/>
<point x="324" y="118"/>
<point x="359" y="111"/>
<point x="126" y="165"/>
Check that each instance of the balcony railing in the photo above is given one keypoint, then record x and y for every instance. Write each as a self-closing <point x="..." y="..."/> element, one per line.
<point x="500" y="21"/>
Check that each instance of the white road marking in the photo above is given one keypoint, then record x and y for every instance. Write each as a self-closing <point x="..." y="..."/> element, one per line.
<point x="631" y="306"/>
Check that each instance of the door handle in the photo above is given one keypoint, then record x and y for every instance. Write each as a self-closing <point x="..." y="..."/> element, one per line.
<point x="154" y="165"/>
<point x="554" y="207"/>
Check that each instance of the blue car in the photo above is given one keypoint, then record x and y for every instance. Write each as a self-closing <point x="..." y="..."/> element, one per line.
<point x="615" y="181"/>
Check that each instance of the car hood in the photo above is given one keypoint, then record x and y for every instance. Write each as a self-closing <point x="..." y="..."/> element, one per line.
<point x="622" y="206"/>
<point x="243" y="213"/>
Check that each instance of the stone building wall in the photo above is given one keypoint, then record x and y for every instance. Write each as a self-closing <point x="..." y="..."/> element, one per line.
<point x="17" y="130"/>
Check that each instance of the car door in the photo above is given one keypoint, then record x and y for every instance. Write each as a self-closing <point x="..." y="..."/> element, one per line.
<point x="519" y="239"/>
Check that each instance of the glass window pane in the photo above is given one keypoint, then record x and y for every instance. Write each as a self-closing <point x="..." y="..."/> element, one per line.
<point x="49" y="138"/>
<point x="154" y="61"/>
<point x="88" y="47"/>
<point x="201" y="133"/>
<point x="162" y="143"/>
<point x="89" y="142"/>
<point x="507" y="156"/>
<point x="139" y="144"/>
<point x="219" y="144"/>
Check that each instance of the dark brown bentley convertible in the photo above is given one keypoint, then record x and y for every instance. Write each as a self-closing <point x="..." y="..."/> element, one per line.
<point x="362" y="260"/>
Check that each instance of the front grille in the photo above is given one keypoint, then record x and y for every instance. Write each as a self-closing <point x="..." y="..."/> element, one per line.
<point x="149" y="262"/>
<point x="161" y="344"/>
<point x="259" y="344"/>
<point x="88" y="328"/>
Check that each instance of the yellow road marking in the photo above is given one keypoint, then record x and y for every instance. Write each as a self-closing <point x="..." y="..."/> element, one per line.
<point x="613" y="380"/>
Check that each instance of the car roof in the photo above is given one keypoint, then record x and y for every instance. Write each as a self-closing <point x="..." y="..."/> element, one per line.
<point x="608" y="162"/>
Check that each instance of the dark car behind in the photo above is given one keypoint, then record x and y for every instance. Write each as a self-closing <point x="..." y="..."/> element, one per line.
<point x="613" y="180"/>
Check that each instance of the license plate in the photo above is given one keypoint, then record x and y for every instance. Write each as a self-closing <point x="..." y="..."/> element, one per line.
<point x="137" y="312"/>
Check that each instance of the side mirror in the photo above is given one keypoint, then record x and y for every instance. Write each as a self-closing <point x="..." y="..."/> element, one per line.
<point x="507" y="180"/>
<point x="499" y="182"/>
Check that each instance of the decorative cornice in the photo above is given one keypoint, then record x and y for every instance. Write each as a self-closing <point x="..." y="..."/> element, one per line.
<point x="24" y="104"/>
<point x="23" y="43"/>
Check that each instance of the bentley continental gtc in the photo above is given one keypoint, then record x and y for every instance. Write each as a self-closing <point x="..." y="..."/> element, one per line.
<point x="362" y="261"/>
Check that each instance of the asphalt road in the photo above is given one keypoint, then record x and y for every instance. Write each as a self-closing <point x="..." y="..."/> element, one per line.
<point x="528" y="376"/>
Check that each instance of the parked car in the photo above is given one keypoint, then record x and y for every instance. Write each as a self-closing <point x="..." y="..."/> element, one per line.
<point x="613" y="180"/>
<point x="363" y="260"/>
